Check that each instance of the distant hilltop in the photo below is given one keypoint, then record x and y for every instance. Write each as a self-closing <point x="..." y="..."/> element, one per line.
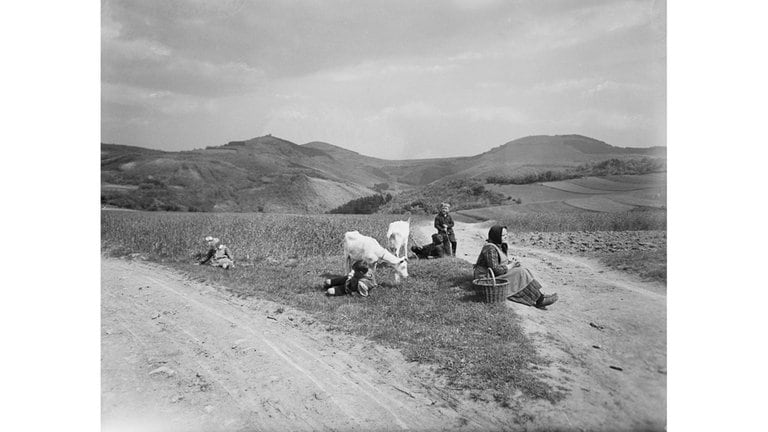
<point x="271" y="174"/>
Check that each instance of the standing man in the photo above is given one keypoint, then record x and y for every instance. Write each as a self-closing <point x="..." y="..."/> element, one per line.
<point x="444" y="225"/>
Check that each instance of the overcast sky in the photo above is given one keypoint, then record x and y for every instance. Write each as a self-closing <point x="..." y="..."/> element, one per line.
<point x="392" y="79"/>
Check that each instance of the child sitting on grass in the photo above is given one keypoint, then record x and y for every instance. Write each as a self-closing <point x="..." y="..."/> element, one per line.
<point x="217" y="255"/>
<point x="357" y="283"/>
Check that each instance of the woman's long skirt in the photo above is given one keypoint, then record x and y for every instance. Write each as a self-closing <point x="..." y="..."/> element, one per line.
<point x="523" y="287"/>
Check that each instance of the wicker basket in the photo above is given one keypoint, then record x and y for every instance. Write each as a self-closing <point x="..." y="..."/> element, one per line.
<point x="494" y="290"/>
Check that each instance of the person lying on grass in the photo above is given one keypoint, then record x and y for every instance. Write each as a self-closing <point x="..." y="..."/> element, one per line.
<point x="524" y="287"/>
<point x="433" y="250"/>
<point x="218" y="255"/>
<point x="357" y="283"/>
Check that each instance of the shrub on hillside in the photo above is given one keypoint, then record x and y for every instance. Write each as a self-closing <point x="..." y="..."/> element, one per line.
<point x="639" y="166"/>
<point x="364" y="205"/>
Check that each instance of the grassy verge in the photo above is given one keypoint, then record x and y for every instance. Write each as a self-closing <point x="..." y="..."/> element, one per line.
<point x="435" y="318"/>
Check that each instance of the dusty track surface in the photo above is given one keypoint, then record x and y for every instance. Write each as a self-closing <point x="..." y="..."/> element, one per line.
<point x="605" y="339"/>
<point x="181" y="355"/>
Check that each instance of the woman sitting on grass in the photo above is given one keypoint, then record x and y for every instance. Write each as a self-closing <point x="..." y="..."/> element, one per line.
<point x="218" y="255"/>
<point x="524" y="287"/>
<point x="357" y="283"/>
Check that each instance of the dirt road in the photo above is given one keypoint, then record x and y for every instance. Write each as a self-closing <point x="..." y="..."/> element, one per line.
<point x="181" y="355"/>
<point x="605" y="337"/>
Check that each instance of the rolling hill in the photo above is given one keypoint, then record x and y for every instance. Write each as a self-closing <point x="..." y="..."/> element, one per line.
<point x="270" y="174"/>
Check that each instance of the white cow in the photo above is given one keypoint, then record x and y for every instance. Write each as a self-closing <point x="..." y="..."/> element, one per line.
<point x="360" y="247"/>
<point x="397" y="234"/>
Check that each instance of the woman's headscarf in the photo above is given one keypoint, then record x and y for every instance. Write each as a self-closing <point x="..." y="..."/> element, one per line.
<point x="494" y="236"/>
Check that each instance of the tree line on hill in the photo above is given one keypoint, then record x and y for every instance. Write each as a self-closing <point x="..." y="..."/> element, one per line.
<point x="645" y="165"/>
<point x="462" y="193"/>
<point x="155" y="195"/>
<point x="364" y="205"/>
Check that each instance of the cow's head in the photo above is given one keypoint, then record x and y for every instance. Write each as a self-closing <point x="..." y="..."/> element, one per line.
<point x="401" y="269"/>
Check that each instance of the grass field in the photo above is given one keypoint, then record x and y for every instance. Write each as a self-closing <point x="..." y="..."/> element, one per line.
<point x="532" y="192"/>
<point x="653" y="179"/>
<point x="434" y="317"/>
<point x="602" y="184"/>
<point x="568" y="219"/>
<point x="638" y="201"/>
<point x="617" y="193"/>
<point x="599" y="204"/>
<point x="569" y="186"/>
<point x="251" y="236"/>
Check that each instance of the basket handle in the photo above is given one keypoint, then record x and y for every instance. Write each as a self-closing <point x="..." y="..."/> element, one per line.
<point x="493" y="276"/>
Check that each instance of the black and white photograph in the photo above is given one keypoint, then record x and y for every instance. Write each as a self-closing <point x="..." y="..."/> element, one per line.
<point x="383" y="215"/>
<point x="375" y="215"/>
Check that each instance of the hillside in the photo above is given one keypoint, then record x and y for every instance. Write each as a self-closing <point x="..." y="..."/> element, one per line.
<point x="263" y="174"/>
<point x="542" y="152"/>
<point x="270" y="174"/>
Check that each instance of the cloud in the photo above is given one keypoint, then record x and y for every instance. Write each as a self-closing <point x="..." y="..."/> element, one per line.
<point x="151" y="65"/>
<point x="153" y="101"/>
<point x="428" y="112"/>
<point x="575" y="24"/>
<point x="611" y="87"/>
<point x="143" y="59"/>
<point x="503" y="114"/>
<point x="475" y="4"/>
<point x="412" y="110"/>
<point x="563" y="86"/>
<point x="388" y="69"/>
<point x="595" y="118"/>
<point x="318" y="121"/>
<point x="349" y="71"/>
<point x="588" y="87"/>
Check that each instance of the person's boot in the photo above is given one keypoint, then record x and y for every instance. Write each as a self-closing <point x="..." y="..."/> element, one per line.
<point x="546" y="300"/>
